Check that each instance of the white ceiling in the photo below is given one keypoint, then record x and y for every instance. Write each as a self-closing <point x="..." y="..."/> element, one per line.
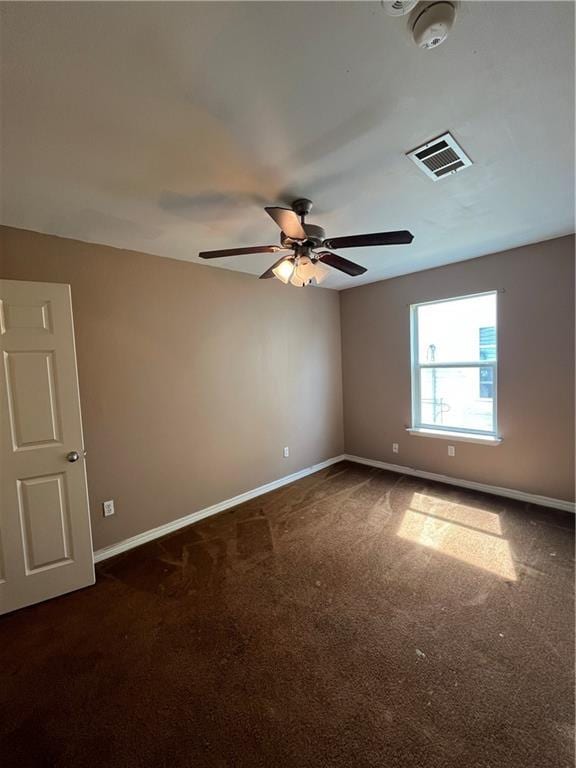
<point x="165" y="127"/>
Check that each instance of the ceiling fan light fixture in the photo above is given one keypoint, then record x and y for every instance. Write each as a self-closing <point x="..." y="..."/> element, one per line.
<point x="284" y="270"/>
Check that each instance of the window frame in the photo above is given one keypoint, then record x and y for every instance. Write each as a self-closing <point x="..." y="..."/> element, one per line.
<point x="415" y="367"/>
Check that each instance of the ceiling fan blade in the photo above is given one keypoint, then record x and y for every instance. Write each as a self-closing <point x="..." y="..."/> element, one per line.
<point x="344" y="265"/>
<point x="288" y="222"/>
<point x="269" y="272"/>
<point x="240" y="251"/>
<point x="402" y="237"/>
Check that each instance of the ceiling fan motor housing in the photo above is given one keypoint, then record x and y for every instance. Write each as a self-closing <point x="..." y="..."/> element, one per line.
<point x="315" y="236"/>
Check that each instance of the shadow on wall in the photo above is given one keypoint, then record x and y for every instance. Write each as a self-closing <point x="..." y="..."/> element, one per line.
<point x="468" y="533"/>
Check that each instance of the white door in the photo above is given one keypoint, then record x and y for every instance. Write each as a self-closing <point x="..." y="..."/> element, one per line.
<point x="45" y="536"/>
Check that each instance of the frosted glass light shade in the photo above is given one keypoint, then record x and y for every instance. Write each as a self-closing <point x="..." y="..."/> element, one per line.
<point x="301" y="272"/>
<point x="320" y="272"/>
<point x="305" y="270"/>
<point x="297" y="281"/>
<point x="284" y="270"/>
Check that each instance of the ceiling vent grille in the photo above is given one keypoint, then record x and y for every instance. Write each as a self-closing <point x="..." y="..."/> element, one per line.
<point x="440" y="157"/>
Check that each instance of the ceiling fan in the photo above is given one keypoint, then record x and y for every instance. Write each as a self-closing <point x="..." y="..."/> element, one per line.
<point x="308" y="259"/>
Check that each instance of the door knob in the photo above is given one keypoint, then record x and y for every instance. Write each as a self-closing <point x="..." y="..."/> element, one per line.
<point x="73" y="456"/>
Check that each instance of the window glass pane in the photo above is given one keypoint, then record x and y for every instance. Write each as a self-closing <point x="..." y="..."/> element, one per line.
<point x="459" y="331"/>
<point x="452" y="398"/>
<point x="486" y="381"/>
<point x="488" y="343"/>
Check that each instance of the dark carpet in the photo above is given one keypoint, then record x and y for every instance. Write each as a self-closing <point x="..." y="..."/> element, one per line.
<point x="355" y="618"/>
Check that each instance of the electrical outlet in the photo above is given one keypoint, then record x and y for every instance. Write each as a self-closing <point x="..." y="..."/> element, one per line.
<point x="395" y="448"/>
<point x="451" y="450"/>
<point x="286" y="452"/>
<point x="108" y="508"/>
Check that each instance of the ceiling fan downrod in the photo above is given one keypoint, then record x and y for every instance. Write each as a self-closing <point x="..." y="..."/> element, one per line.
<point x="315" y="235"/>
<point x="302" y="207"/>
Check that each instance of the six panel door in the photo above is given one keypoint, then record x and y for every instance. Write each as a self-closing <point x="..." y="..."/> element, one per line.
<point x="45" y="536"/>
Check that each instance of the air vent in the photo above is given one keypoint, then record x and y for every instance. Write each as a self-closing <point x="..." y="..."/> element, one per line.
<point x="440" y="157"/>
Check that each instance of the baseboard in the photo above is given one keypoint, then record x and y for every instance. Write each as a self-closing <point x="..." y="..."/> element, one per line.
<point x="194" y="517"/>
<point x="532" y="498"/>
<point x="182" y="522"/>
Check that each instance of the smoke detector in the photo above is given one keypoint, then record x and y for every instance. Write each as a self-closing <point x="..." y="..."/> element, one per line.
<point x="399" y="7"/>
<point x="440" y="157"/>
<point x="432" y="23"/>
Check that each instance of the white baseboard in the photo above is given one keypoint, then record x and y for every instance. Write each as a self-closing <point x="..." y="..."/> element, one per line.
<point x="182" y="522"/>
<point x="532" y="498"/>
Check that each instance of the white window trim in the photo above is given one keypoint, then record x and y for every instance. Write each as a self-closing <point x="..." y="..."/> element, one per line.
<point x="463" y="437"/>
<point x="436" y="430"/>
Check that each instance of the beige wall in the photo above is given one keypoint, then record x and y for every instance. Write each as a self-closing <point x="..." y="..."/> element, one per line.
<point x="192" y="379"/>
<point x="535" y="379"/>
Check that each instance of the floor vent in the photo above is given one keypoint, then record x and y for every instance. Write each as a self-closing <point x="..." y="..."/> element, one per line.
<point x="440" y="157"/>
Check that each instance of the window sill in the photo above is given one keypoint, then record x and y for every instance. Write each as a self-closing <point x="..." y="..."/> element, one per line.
<point x="463" y="437"/>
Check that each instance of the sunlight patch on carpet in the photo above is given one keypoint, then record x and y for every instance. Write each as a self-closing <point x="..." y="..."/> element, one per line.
<point x="470" y="516"/>
<point x="469" y="534"/>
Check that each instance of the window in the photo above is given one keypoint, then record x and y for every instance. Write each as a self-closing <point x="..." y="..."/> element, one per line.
<point x="454" y="365"/>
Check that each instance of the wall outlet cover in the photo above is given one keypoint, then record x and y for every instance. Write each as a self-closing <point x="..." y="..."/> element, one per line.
<point x="286" y="452"/>
<point x="395" y="448"/>
<point x="108" y="508"/>
<point x="451" y="450"/>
